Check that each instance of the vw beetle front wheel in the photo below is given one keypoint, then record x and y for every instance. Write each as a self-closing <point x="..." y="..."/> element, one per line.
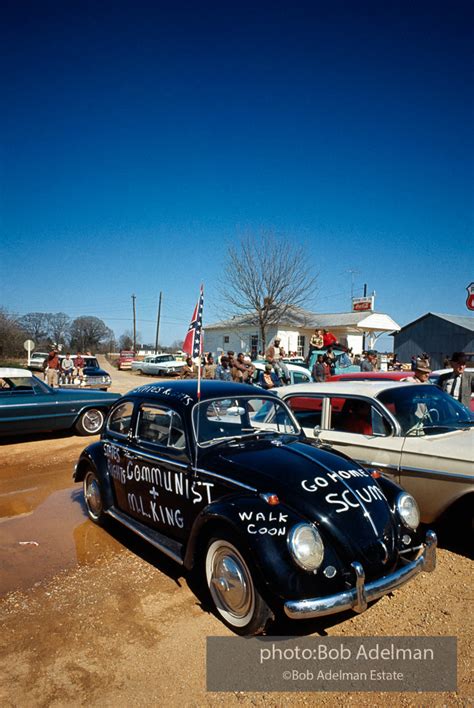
<point x="90" y="422"/>
<point x="232" y="589"/>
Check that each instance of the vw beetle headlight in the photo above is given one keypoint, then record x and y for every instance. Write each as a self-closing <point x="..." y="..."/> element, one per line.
<point x="306" y="546"/>
<point x="408" y="510"/>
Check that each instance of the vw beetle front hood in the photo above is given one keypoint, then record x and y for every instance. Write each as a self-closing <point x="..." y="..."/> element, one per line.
<point x="337" y="494"/>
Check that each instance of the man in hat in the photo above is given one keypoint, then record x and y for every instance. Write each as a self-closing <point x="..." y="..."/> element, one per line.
<point x="459" y="383"/>
<point x="369" y="362"/>
<point x="421" y="374"/>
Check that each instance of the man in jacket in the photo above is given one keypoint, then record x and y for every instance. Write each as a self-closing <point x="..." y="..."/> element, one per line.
<point x="458" y="383"/>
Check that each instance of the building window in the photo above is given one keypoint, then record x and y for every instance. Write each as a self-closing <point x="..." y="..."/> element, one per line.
<point x="254" y="346"/>
<point x="226" y="339"/>
<point x="301" y="344"/>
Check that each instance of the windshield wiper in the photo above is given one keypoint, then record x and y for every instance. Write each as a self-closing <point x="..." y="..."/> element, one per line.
<point x="238" y="438"/>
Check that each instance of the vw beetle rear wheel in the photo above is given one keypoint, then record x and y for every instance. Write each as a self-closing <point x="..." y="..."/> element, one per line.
<point x="93" y="498"/>
<point x="232" y="589"/>
<point x="90" y="422"/>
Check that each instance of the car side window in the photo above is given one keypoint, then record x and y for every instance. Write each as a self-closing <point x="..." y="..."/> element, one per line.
<point x="120" y="420"/>
<point x="351" y="415"/>
<point x="300" y="377"/>
<point x="307" y="410"/>
<point x="161" y="426"/>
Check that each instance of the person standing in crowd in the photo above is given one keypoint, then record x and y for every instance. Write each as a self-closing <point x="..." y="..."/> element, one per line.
<point x="189" y="370"/>
<point x="67" y="368"/>
<point x="79" y="363"/>
<point x="273" y="354"/>
<point x="459" y="383"/>
<point x="209" y="371"/>
<point x="268" y="379"/>
<point x="421" y="374"/>
<point x="223" y="371"/>
<point x="52" y="365"/>
<point x="319" y="372"/>
<point x="369" y="361"/>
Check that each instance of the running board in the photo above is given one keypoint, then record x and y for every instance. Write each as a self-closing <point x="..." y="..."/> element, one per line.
<point x="172" y="549"/>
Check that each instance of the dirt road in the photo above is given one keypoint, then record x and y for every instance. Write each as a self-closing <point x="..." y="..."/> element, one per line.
<point x="96" y="617"/>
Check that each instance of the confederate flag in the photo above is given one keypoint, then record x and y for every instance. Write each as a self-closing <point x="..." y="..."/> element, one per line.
<point x="193" y="342"/>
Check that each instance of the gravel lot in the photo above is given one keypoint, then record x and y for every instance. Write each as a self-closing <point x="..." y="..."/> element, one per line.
<point x="94" y="617"/>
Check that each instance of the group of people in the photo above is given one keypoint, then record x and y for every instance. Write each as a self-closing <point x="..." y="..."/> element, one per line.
<point x="458" y="382"/>
<point x="240" y="369"/>
<point x="63" y="370"/>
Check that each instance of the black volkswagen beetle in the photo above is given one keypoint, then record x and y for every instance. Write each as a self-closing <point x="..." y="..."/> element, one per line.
<point x="273" y="521"/>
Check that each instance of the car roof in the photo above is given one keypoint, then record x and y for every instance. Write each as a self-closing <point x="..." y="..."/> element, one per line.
<point x="291" y="367"/>
<point x="13" y="372"/>
<point x="182" y="391"/>
<point x="343" y="388"/>
<point x="372" y="376"/>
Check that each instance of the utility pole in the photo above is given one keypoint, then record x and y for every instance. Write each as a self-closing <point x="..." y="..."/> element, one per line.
<point x="352" y="272"/>
<point x="158" y="324"/>
<point x="134" y="325"/>
<point x="363" y="337"/>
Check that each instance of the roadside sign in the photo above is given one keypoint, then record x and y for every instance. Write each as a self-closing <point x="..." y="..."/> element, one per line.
<point x="29" y="345"/>
<point x="470" y="297"/>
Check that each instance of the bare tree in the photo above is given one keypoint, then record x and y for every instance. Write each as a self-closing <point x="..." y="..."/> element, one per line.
<point x="12" y="335"/>
<point x="59" y="325"/>
<point x="36" y="324"/>
<point x="266" y="277"/>
<point x="89" y="332"/>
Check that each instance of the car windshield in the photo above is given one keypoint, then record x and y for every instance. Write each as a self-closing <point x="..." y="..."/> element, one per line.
<point x="91" y="361"/>
<point x="425" y="409"/>
<point x="222" y="419"/>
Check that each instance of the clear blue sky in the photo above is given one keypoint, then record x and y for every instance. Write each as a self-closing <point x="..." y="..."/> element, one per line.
<point x="138" y="138"/>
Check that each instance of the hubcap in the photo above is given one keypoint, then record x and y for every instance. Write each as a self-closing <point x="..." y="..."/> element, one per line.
<point x="92" y="495"/>
<point x="231" y="583"/>
<point x="93" y="421"/>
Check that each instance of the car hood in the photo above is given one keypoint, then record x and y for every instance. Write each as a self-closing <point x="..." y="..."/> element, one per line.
<point x="329" y="489"/>
<point x="95" y="371"/>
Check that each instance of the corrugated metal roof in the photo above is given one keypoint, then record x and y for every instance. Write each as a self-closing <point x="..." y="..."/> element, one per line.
<point x="466" y="322"/>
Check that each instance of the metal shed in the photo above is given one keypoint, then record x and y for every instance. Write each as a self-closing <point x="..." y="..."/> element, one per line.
<point x="436" y="334"/>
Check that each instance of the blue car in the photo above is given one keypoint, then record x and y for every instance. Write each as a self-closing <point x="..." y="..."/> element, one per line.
<point x="28" y="405"/>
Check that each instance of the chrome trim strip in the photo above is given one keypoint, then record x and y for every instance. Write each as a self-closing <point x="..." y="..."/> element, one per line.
<point x="131" y="526"/>
<point x="227" y="479"/>
<point x="417" y="470"/>
<point x="150" y="455"/>
<point x="357" y="597"/>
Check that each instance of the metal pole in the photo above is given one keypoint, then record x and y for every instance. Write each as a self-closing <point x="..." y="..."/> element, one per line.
<point x="363" y="337"/>
<point x="134" y="325"/>
<point x="158" y="324"/>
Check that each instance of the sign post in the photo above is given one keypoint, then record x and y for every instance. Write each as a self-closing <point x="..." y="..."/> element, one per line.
<point x="470" y="297"/>
<point x="29" y="346"/>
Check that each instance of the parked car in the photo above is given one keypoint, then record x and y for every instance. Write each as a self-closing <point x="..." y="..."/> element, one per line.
<point x="297" y="373"/>
<point x="340" y="366"/>
<point x="414" y="434"/>
<point x="434" y="378"/>
<point x="37" y="360"/>
<point x="28" y="405"/>
<point x="93" y="375"/>
<point x="124" y="362"/>
<point x="226" y="484"/>
<point x="158" y="365"/>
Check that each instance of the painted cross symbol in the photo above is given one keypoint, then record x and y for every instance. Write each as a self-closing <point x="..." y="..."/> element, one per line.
<point x="154" y="493"/>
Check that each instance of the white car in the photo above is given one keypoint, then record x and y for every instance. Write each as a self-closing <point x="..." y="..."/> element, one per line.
<point x="417" y="435"/>
<point x="37" y="361"/>
<point x="298" y="374"/>
<point x="158" y="365"/>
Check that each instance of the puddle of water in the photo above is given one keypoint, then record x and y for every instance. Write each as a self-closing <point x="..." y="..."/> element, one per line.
<point x="65" y="538"/>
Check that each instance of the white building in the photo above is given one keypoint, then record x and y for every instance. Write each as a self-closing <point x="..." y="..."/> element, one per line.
<point x="241" y="334"/>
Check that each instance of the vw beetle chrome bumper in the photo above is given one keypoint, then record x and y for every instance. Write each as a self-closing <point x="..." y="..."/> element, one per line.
<point x="358" y="597"/>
